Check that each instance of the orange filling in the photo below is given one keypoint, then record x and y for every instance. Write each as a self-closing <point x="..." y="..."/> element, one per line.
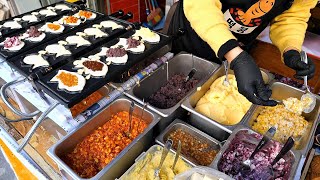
<point x="54" y="27"/>
<point x="99" y="148"/>
<point x="71" y="20"/>
<point x="68" y="79"/>
<point x="86" y="14"/>
<point x="20" y="170"/>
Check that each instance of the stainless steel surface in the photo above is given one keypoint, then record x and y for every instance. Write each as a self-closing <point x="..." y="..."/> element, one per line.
<point x="6" y="100"/>
<point x="282" y="91"/>
<point x="295" y="154"/>
<point x="159" y="53"/>
<point x="127" y="156"/>
<point x="152" y="150"/>
<point x="34" y="127"/>
<point x="49" y="125"/>
<point x="164" y="154"/>
<point x="203" y="122"/>
<point x="178" y="124"/>
<point x="181" y="63"/>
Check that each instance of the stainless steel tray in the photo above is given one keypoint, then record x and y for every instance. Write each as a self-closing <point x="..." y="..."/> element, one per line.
<point x="296" y="154"/>
<point x="151" y="150"/>
<point x="282" y="91"/>
<point x="181" y="63"/>
<point x="126" y="157"/>
<point x="203" y="122"/>
<point x="178" y="124"/>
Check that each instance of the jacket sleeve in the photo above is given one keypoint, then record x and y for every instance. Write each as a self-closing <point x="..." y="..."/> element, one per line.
<point x="289" y="28"/>
<point x="207" y="20"/>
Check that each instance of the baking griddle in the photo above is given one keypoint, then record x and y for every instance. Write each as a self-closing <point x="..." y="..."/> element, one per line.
<point x="8" y="31"/>
<point x="49" y="36"/>
<point x="26" y="70"/>
<point x="93" y="84"/>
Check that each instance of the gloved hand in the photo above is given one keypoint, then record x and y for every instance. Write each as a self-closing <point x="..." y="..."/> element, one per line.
<point x="249" y="80"/>
<point x="292" y="59"/>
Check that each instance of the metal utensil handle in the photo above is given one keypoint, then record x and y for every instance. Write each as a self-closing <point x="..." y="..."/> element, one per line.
<point x="11" y="107"/>
<point x="130" y="115"/>
<point x="43" y="116"/>
<point x="165" y="152"/>
<point x="177" y="155"/>
<point x="304" y="58"/>
<point x="266" y="138"/>
<point x="286" y="148"/>
<point x="226" y="69"/>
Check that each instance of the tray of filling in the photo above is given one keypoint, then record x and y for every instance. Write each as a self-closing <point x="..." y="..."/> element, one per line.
<point x="217" y="107"/>
<point x="103" y="147"/>
<point x="196" y="146"/>
<point x="147" y="162"/>
<point x="70" y="83"/>
<point x="45" y="32"/>
<point x="287" y="119"/>
<point x="14" y="24"/>
<point x="165" y="96"/>
<point x="239" y="147"/>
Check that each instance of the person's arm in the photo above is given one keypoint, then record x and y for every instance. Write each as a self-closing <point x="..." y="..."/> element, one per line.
<point x="207" y="20"/>
<point x="287" y="31"/>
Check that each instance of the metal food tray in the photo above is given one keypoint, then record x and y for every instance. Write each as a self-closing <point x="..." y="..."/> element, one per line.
<point x="181" y="63"/>
<point x="26" y="70"/>
<point x="70" y="99"/>
<point x="203" y="122"/>
<point x="295" y="154"/>
<point x="178" y="124"/>
<point x="51" y="38"/>
<point x="152" y="150"/>
<point x="7" y="31"/>
<point x="282" y="91"/>
<point x="123" y="160"/>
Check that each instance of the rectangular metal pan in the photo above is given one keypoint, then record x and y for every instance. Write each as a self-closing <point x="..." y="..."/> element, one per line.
<point x="203" y="122"/>
<point x="151" y="150"/>
<point x="178" y="124"/>
<point x="126" y="157"/>
<point x="181" y="63"/>
<point x="295" y="154"/>
<point x="93" y="84"/>
<point x="282" y="91"/>
<point x="50" y="37"/>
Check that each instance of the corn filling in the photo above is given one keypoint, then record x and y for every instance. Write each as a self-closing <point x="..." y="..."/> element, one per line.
<point x="286" y="122"/>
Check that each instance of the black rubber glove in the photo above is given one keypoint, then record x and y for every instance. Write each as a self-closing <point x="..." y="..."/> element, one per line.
<point x="249" y="80"/>
<point x="292" y="59"/>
